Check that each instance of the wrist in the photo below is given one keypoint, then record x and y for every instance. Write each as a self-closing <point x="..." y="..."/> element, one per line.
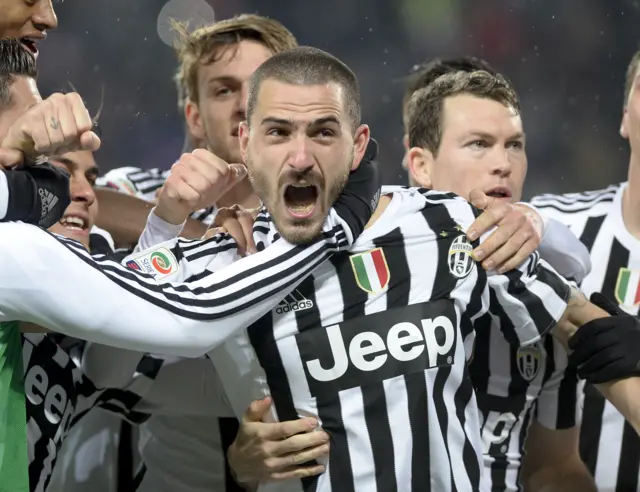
<point x="170" y="215"/>
<point x="538" y="217"/>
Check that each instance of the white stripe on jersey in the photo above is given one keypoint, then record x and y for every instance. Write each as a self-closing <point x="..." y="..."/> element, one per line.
<point x="385" y="372"/>
<point x="608" y="445"/>
<point x="187" y="318"/>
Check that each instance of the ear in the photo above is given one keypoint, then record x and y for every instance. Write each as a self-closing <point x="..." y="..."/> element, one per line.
<point x="243" y="136"/>
<point x="360" y="141"/>
<point x="194" y="120"/>
<point x="624" y="126"/>
<point x="420" y="163"/>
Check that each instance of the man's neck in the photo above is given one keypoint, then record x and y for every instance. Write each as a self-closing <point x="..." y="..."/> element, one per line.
<point x="383" y="203"/>
<point x="631" y="198"/>
<point x="241" y="194"/>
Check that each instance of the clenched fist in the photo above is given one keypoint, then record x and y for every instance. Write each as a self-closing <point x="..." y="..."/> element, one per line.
<point x="55" y="126"/>
<point x="198" y="180"/>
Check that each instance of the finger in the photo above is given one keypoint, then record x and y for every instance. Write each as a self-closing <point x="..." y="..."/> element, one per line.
<point x="67" y="126"/>
<point x="90" y="141"/>
<point x="212" y="171"/>
<point x="246" y="222"/>
<point x="37" y="127"/>
<point x="487" y="220"/>
<point x="297" y="472"/>
<point x="282" y="430"/>
<point x="508" y="250"/>
<point x="479" y="199"/>
<point x="299" y="443"/>
<point x="214" y="231"/>
<point x="276" y="463"/>
<point x="257" y="409"/>
<point x="79" y="113"/>
<point x="180" y="190"/>
<point x="519" y="257"/>
<point x="234" y="228"/>
<point x="10" y="158"/>
<point x="491" y="244"/>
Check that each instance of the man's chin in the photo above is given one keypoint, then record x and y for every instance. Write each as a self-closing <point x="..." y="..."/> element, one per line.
<point x="300" y="232"/>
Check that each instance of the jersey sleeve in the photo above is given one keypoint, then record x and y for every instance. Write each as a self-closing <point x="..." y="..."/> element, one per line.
<point x="557" y="405"/>
<point x="565" y="252"/>
<point x="531" y="299"/>
<point x="134" y="181"/>
<point x="55" y="283"/>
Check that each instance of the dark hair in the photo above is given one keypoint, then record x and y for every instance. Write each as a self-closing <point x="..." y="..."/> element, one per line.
<point x="15" y="61"/>
<point x="307" y="66"/>
<point x="425" y="74"/>
<point x="425" y="113"/>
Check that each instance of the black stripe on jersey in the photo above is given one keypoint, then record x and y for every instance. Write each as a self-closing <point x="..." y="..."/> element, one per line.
<point x="374" y="401"/>
<point x="590" y="231"/>
<point x="439" y="219"/>
<point x="264" y="344"/>
<point x="99" y="244"/>
<point x="591" y="427"/>
<point x="120" y="273"/>
<point x="567" y="401"/>
<point x="416" y="384"/>
<point x="534" y="305"/>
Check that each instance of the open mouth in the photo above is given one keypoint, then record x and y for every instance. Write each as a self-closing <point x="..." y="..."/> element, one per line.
<point x="30" y="45"/>
<point x="74" y="223"/>
<point x="301" y="200"/>
<point x="499" y="192"/>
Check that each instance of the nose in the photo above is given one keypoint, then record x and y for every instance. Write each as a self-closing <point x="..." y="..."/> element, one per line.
<point x="81" y="190"/>
<point x="301" y="158"/>
<point x="500" y="164"/>
<point x="44" y="16"/>
<point x="241" y="102"/>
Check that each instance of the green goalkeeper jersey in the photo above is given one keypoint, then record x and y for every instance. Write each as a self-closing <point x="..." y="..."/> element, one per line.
<point x="14" y="467"/>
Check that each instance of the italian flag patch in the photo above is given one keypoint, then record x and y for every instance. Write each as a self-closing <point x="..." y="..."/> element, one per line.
<point x="371" y="270"/>
<point x="628" y="287"/>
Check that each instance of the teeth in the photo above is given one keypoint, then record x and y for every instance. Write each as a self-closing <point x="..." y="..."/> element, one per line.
<point x="73" y="222"/>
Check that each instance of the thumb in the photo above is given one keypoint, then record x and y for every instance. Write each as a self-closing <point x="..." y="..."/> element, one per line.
<point x="237" y="174"/>
<point x="10" y="158"/>
<point x="480" y="199"/>
<point x="257" y="410"/>
<point x="90" y="141"/>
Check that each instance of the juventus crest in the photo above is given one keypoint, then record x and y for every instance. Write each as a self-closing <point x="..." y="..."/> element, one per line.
<point x="529" y="360"/>
<point x="460" y="259"/>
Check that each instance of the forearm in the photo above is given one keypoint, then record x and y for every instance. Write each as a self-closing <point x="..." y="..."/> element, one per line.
<point x="569" y="476"/>
<point x="123" y="216"/>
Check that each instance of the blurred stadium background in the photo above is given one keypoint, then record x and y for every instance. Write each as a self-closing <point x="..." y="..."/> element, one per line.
<point x="566" y="58"/>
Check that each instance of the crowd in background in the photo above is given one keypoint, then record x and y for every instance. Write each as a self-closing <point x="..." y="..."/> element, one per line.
<point x="566" y="60"/>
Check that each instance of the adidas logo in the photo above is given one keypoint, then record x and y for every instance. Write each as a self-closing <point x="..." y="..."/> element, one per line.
<point x="47" y="200"/>
<point x="294" y="302"/>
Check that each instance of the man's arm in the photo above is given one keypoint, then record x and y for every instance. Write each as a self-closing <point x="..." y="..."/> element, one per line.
<point x="624" y="394"/>
<point x="125" y="217"/>
<point x="552" y="462"/>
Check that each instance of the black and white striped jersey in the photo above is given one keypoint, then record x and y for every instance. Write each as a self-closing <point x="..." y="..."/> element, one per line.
<point x="146" y="184"/>
<point x="58" y="395"/>
<point x="375" y="344"/>
<point x="608" y="445"/>
<point x="137" y="306"/>
<point x="515" y="385"/>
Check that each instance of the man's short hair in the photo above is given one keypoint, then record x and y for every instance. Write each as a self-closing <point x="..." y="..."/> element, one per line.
<point x="426" y="106"/>
<point x="203" y="46"/>
<point x="425" y="74"/>
<point x="630" y="78"/>
<point x="15" y="61"/>
<point x="308" y="66"/>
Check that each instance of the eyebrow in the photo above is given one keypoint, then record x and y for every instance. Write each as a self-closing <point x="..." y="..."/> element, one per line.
<point x="271" y="120"/>
<point x="489" y="136"/>
<point x="68" y="162"/>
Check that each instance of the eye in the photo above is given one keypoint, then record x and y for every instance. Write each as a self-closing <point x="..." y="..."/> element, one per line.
<point x="222" y="91"/>
<point x="92" y="178"/>
<point x="326" y="133"/>
<point x="516" y="144"/>
<point x="479" y="144"/>
<point x="277" y="132"/>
